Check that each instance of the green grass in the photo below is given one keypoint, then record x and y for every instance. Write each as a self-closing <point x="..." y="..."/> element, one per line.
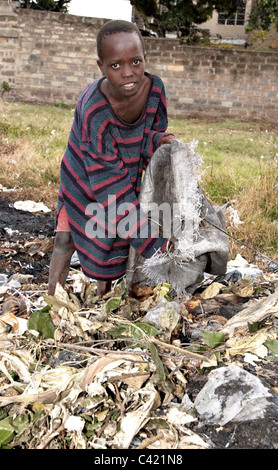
<point x="234" y="153"/>
<point x="240" y="162"/>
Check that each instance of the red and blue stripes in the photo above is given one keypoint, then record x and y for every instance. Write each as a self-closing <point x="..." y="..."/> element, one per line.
<point x="103" y="165"/>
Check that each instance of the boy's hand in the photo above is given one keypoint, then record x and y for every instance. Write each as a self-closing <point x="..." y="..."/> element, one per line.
<point x="166" y="139"/>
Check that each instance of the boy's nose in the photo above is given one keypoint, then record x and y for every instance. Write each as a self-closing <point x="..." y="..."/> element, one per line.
<point x="127" y="71"/>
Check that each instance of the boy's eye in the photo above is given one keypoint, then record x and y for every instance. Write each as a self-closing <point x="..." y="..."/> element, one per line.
<point x="115" y="66"/>
<point x="136" y="62"/>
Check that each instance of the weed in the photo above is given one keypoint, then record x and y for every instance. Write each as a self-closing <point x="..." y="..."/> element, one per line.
<point x="5" y="87"/>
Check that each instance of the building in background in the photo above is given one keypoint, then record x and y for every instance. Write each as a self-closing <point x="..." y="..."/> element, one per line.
<point x="231" y="27"/>
<point x="219" y="26"/>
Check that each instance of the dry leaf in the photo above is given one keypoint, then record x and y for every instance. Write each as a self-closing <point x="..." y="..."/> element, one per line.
<point x="244" y="290"/>
<point x="251" y="343"/>
<point x="133" y="421"/>
<point x="212" y="290"/>
<point x="257" y="312"/>
<point x="113" y="361"/>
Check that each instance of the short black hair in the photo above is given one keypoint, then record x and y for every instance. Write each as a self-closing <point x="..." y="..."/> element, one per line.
<point x="114" y="27"/>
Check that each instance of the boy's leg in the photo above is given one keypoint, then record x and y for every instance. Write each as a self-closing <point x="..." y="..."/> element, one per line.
<point x="60" y="264"/>
<point x="103" y="287"/>
<point x="61" y="257"/>
<point x="60" y="260"/>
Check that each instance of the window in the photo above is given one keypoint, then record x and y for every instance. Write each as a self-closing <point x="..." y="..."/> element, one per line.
<point x="237" y="19"/>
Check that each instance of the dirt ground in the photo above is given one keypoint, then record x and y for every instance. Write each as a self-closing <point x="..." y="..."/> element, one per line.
<point x="26" y="241"/>
<point x="24" y="227"/>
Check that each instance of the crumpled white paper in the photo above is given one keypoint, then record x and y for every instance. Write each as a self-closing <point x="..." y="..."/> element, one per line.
<point x="31" y="206"/>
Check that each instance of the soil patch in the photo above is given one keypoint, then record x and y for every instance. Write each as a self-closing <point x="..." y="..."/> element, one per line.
<point x="18" y="232"/>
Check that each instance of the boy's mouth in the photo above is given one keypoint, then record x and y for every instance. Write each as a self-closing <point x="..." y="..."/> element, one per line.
<point x="129" y="86"/>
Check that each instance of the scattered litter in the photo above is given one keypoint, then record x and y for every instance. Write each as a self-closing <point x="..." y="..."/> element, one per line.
<point x="165" y="315"/>
<point x="139" y="396"/>
<point x="255" y="313"/>
<point x="212" y="290"/>
<point x="21" y="278"/>
<point x="4" y="189"/>
<point x="16" y="305"/>
<point x="10" y="232"/>
<point x="9" y="323"/>
<point x="273" y="266"/>
<point x="232" y="394"/>
<point x="234" y="216"/>
<point x="31" y="206"/>
<point x="14" y="284"/>
<point x="242" y="266"/>
<point x="74" y="262"/>
<point x="83" y="372"/>
<point x="3" y="279"/>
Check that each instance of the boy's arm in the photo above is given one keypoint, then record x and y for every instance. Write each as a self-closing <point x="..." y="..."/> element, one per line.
<point x="157" y="134"/>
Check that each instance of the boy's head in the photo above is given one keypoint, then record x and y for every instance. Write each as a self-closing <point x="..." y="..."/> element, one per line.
<point x="114" y="27"/>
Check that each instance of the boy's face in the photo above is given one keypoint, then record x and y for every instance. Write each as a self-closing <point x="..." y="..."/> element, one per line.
<point x="123" y="63"/>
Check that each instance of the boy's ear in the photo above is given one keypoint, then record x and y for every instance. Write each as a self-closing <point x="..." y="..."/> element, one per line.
<point x="100" y="64"/>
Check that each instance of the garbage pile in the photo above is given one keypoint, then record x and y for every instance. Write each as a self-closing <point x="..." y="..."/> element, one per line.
<point x="141" y="370"/>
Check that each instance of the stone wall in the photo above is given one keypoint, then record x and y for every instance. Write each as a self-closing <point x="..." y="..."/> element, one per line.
<point x="50" y="57"/>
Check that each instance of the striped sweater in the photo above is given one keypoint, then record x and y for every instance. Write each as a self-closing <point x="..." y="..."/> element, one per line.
<point x="101" y="174"/>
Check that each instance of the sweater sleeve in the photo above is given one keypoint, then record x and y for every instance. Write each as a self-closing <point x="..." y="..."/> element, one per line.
<point x="158" y="126"/>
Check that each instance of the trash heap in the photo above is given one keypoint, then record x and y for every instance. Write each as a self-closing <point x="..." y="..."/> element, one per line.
<point x="141" y="370"/>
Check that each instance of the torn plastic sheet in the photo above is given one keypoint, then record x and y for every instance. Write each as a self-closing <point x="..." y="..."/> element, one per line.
<point x="171" y="178"/>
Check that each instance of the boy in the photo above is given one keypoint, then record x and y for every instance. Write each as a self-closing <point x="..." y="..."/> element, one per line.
<point x="120" y="120"/>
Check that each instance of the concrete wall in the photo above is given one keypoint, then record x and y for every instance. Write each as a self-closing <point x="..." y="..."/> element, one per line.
<point x="50" y="57"/>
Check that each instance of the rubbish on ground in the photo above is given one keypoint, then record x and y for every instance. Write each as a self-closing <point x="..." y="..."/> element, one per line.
<point x="131" y="372"/>
<point x="258" y="311"/>
<point x="4" y="189"/>
<point x="9" y="323"/>
<point x="255" y="343"/>
<point x="21" y="278"/>
<point x="232" y="394"/>
<point x="165" y="315"/>
<point x="31" y="206"/>
<point x="242" y="266"/>
<point x="75" y="262"/>
<point x="273" y="266"/>
<point x="3" y="279"/>
<point x="15" y="305"/>
<point x="212" y="290"/>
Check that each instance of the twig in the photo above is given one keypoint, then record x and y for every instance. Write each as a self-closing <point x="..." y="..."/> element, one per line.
<point x="176" y="348"/>
<point x="116" y="378"/>
<point x="98" y="351"/>
<point x="149" y="440"/>
<point x="49" y="438"/>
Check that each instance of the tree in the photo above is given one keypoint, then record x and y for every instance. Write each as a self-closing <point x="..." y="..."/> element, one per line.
<point x="263" y="14"/>
<point x="59" y="6"/>
<point x="180" y="15"/>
